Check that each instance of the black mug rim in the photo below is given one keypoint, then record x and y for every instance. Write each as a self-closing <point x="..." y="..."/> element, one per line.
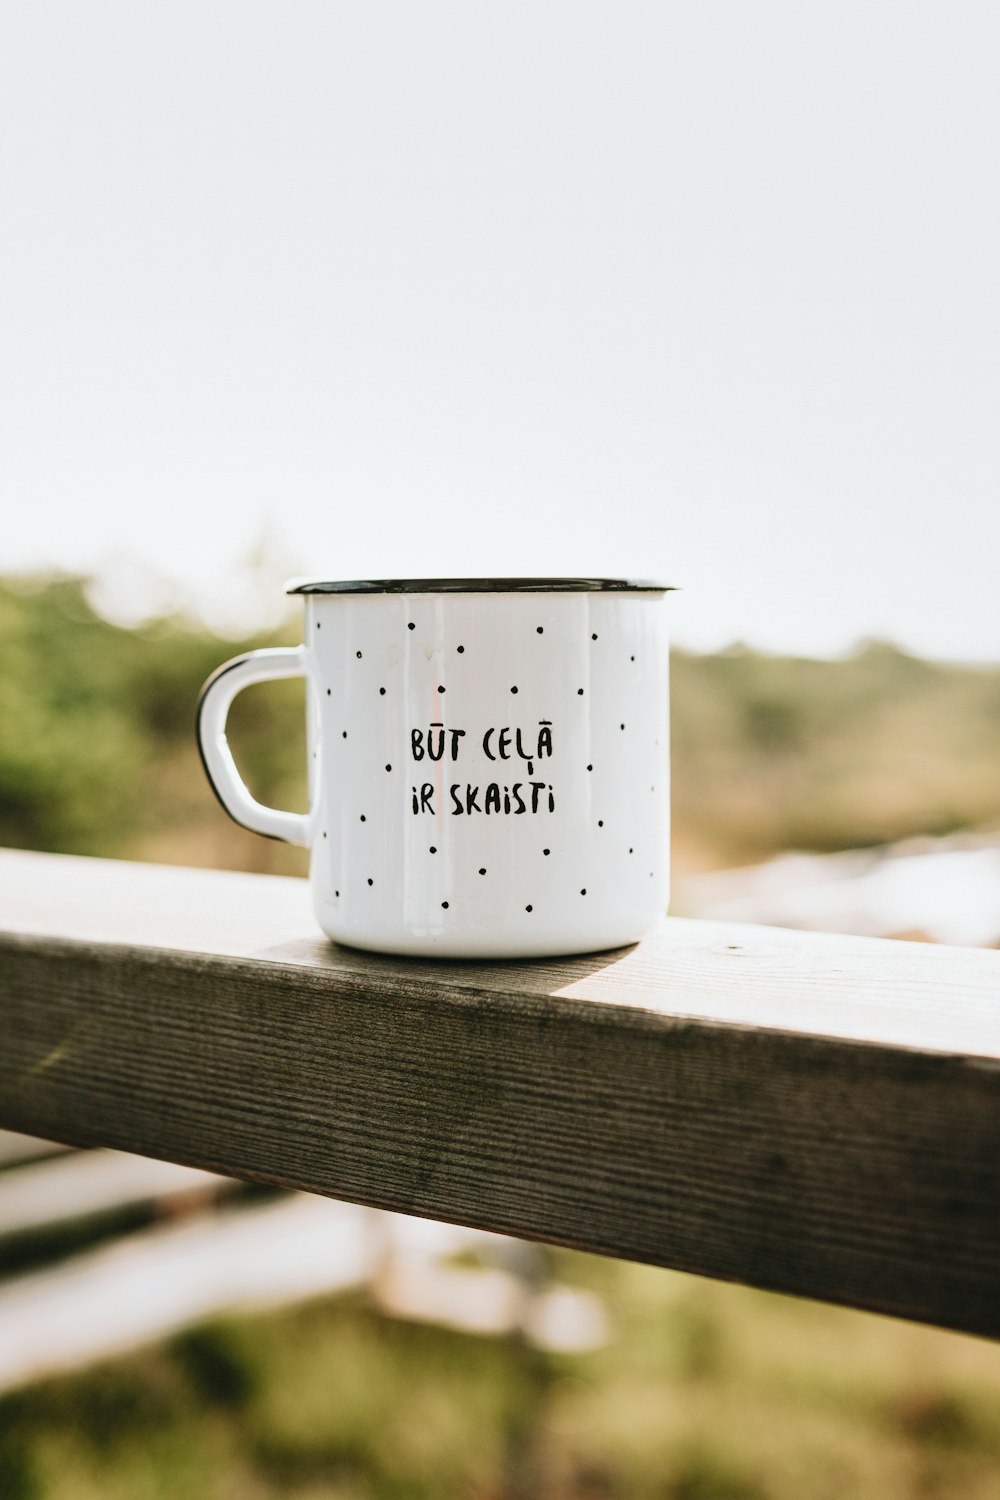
<point x="477" y="586"/>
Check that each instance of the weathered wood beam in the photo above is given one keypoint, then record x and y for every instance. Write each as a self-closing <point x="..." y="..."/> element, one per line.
<point x="813" y="1114"/>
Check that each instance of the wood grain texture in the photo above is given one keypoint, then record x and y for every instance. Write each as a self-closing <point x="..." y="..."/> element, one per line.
<point x="813" y="1114"/>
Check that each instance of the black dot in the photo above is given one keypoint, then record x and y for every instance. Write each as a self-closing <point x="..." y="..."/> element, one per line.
<point x="343" y="734"/>
<point x="382" y="692"/>
<point x="317" y="625"/>
<point x="513" y="689"/>
<point x="631" y="658"/>
<point x="579" y="692"/>
<point x="440" y="688"/>
<point x="328" y="692"/>
<point x="358" y="654"/>
<point x="460" y="650"/>
<point x="370" y="881"/>
<point x="433" y="849"/>
<point x="324" y="833"/>
<point x="600" y="822"/>
<point x="594" y="636"/>
<point x="621" y="726"/>
<point x="336" y="893"/>
<point x="363" y="818"/>
<point x="539" y="629"/>
<point x="482" y="870"/>
<point x="546" y="851"/>
<point x="388" y="768"/>
<point x="590" y="768"/>
<point x="584" y="891"/>
<point x="527" y="908"/>
<point x="631" y="851"/>
<point x="444" y="905"/>
<point x="411" y="626"/>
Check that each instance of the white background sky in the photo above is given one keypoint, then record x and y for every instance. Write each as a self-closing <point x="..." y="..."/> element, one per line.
<point x="701" y="291"/>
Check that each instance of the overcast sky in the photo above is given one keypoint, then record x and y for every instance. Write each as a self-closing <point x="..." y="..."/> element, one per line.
<point x="701" y="291"/>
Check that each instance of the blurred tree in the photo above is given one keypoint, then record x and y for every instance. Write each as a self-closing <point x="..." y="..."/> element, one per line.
<point x="97" y="750"/>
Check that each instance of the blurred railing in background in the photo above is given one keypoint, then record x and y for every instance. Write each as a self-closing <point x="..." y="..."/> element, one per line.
<point x="101" y="1252"/>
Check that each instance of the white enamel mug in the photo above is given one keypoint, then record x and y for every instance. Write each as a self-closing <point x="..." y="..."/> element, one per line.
<point x="488" y="762"/>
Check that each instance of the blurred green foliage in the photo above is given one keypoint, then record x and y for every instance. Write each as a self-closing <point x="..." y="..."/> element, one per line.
<point x="97" y="750"/>
<point x="775" y="753"/>
<point x="706" y="1392"/>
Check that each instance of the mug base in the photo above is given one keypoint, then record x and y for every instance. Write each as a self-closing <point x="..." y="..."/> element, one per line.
<point x="488" y="946"/>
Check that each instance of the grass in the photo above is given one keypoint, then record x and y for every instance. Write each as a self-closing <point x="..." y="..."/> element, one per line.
<point x="706" y="1392"/>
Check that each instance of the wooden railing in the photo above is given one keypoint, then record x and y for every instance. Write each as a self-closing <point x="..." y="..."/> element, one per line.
<point x="813" y="1114"/>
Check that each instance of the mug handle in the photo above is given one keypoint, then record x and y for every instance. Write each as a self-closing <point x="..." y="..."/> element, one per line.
<point x="217" y="758"/>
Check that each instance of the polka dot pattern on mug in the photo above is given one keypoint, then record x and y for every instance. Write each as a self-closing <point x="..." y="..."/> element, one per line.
<point x="470" y="794"/>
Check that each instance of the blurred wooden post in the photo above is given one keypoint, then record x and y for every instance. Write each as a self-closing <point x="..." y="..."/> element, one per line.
<point x="812" y="1114"/>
